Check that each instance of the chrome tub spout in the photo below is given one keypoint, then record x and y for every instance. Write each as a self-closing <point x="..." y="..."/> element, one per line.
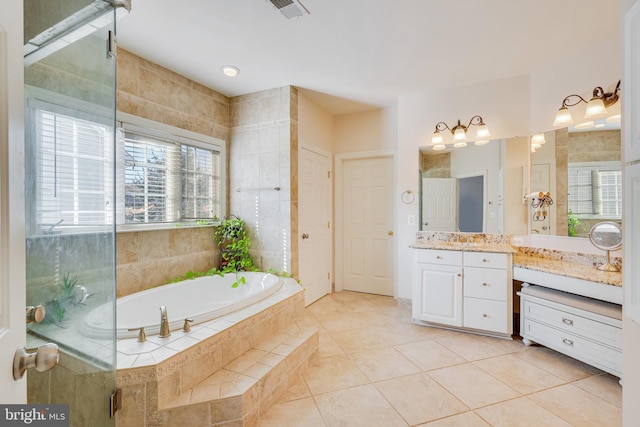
<point x="164" y="322"/>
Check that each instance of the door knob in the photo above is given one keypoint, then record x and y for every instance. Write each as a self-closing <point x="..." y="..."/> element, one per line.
<point x="390" y="233"/>
<point x="36" y="314"/>
<point x="305" y="236"/>
<point x="44" y="358"/>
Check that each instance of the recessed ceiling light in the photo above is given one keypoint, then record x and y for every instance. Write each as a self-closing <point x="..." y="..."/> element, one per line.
<point x="230" y="70"/>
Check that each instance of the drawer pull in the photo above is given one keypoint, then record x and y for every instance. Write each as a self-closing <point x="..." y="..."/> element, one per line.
<point x="485" y="260"/>
<point x="567" y="341"/>
<point x="485" y="284"/>
<point x="567" y="321"/>
<point x="485" y="315"/>
<point x="438" y="257"/>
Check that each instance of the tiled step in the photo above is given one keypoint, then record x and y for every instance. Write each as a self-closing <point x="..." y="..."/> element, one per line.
<point x="245" y="388"/>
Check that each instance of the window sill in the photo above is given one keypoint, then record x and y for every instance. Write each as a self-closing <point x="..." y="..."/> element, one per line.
<point x="128" y="228"/>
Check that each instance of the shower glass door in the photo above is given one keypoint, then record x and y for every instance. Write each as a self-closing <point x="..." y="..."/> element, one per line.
<point x="70" y="201"/>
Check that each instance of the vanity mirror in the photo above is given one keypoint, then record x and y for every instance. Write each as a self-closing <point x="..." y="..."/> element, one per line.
<point x="608" y="237"/>
<point x="477" y="188"/>
<point x="581" y="168"/>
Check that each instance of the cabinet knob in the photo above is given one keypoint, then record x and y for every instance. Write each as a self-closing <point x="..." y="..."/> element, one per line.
<point x="459" y="274"/>
<point x="438" y="257"/>
<point x="485" y="315"/>
<point x="485" y="260"/>
<point x="485" y="284"/>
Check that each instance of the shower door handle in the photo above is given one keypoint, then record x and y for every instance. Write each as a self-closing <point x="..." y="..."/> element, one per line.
<point x="44" y="358"/>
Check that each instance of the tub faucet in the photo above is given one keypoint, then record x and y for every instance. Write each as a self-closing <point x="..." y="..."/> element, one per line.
<point x="164" y="322"/>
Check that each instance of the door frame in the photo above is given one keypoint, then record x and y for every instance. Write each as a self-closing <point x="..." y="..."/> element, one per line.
<point x="12" y="233"/>
<point x="328" y="155"/>
<point x="339" y="162"/>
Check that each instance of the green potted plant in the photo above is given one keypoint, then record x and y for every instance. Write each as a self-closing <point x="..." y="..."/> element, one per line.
<point x="234" y="244"/>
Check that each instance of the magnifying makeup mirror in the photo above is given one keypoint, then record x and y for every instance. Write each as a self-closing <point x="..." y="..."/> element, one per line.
<point x="608" y="237"/>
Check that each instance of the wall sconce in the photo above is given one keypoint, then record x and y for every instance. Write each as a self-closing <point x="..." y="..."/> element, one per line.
<point x="541" y="204"/>
<point x="537" y="140"/>
<point x="459" y="132"/>
<point x="596" y="106"/>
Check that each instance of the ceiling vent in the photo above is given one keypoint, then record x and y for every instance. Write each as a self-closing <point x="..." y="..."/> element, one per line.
<point x="290" y="9"/>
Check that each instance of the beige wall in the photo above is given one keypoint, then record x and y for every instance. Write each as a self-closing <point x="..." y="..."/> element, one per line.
<point x="367" y="131"/>
<point x="150" y="258"/>
<point x="516" y="159"/>
<point x="264" y="156"/>
<point x="315" y="125"/>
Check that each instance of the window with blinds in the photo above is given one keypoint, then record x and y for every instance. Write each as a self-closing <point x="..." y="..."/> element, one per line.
<point x="595" y="191"/>
<point x="169" y="178"/>
<point x="74" y="181"/>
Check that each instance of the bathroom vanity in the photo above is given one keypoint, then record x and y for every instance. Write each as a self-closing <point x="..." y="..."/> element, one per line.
<point x="464" y="285"/>
<point x="572" y="308"/>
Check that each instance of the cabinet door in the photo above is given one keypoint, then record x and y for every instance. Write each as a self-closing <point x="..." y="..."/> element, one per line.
<point x="438" y="294"/>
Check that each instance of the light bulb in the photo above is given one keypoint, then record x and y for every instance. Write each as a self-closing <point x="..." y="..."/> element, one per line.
<point x="483" y="132"/>
<point x="459" y="134"/>
<point x="595" y="109"/>
<point x="436" y="139"/>
<point x="563" y="117"/>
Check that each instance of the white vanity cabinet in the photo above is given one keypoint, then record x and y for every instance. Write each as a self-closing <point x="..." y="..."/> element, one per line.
<point x="437" y="290"/>
<point x="469" y="290"/>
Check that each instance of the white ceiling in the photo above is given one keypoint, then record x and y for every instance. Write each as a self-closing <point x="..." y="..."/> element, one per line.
<point x="354" y="55"/>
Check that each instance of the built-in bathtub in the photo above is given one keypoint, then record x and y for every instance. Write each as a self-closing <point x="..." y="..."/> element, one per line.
<point x="201" y="300"/>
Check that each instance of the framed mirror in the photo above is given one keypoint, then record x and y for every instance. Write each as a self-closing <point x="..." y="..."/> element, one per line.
<point x="581" y="168"/>
<point x="477" y="188"/>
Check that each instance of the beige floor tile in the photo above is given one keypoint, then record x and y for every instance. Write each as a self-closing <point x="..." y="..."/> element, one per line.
<point x="605" y="386"/>
<point x="473" y="386"/>
<point x="297" y="390"/>
<point x="296" y="413"/>
<point x="358" y="340"/>
<point x="470" y="347"/>
<point x="578" y="407"/>
<point x="359" y="406"/>
<point x="333" y="373"/>
<point x="383" y="363"/>
<point x="418" y="398"/>
<point x="518" y="374"/>
<point x="429" y="355"/>
<point x="345" y="321"/>
<point x="507" y="345"/>
<point x="327" y="347"/>
<point x="467" y="419"/>
<point x="404" y="332"/>
<point x="558" y="364"/>
<point x="520" y="412"/>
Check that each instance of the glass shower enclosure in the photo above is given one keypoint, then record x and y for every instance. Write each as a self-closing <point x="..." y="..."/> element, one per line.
<point x="70" y="200"/>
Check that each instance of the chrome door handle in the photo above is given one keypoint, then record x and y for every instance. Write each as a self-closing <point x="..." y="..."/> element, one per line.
<point x="44" y="358"/>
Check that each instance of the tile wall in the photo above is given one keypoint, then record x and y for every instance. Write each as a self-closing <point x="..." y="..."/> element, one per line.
<point x="263" y="174"/>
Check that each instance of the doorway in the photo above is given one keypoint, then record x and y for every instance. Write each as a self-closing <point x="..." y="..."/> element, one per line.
<point x="471" y="204"/>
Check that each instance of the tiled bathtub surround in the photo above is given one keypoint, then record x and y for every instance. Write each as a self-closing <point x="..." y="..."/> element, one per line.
<point x="145" y="259"/>
<point x="227" y="370"/>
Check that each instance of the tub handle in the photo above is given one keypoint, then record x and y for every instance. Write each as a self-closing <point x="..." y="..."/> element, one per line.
<point x="142" y="337"/>
<point x="187" y="325"/>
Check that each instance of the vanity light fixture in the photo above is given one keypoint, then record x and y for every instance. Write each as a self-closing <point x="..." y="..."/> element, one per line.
<point x="230" y="70"/>
<point x="596" y="106"/>
<point x="459" y="132"/>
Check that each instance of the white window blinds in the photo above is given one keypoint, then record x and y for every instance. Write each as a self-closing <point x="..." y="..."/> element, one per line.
<point x="168" y="178"/>
<point x="74" y="174"/>
<point x="595" y="191"/>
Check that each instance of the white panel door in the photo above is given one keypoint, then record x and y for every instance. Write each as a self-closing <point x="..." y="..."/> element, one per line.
<point x="439" y="202"/>
<point x="368" y="225"/>
<point x="540" y="182"/>
<point x="12" y="248"/>
<point x="314" y="225"/>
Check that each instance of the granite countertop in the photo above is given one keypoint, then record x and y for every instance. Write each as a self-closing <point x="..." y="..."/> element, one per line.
<point x="579" y="269"/>
<point x="464" y="246"/>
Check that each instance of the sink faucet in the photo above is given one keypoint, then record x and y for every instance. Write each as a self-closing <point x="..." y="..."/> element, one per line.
<point x="164" y="322"/>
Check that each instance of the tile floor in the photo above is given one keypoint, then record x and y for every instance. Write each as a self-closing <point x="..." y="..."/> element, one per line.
<point x="376" y="368"/>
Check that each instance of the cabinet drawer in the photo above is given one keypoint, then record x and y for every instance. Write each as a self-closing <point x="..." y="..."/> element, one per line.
<point x="573" y="323"/>
<point x="436" y="256"/>
<point x="484" y="314"/>
<point x="487" y="283"/>
<point x="485" y="260"/>
<point x="573" y="345"/>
